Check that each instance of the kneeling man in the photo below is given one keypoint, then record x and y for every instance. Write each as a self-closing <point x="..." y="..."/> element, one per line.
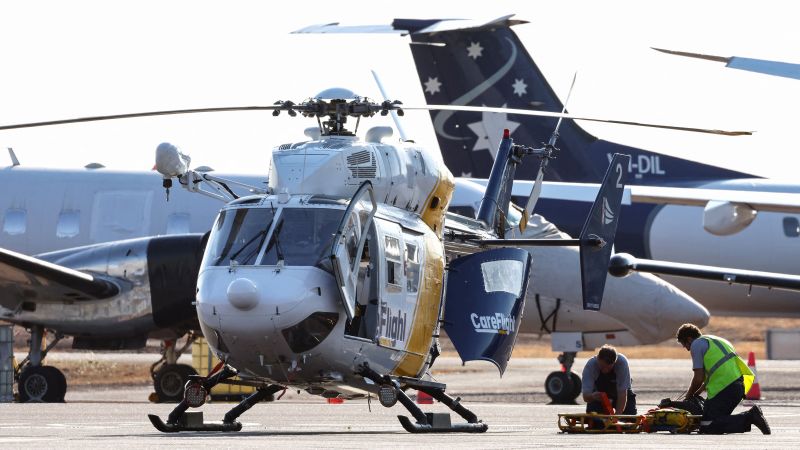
<point x="608" y="372"/>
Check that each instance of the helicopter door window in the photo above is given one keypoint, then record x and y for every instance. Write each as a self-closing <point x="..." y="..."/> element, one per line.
<point x="412" y="268"/>
<point x="503" y="276"/>
<point x="15" y="221"/>
<point x="393" y="263"/>
<point x="237" y="236"/>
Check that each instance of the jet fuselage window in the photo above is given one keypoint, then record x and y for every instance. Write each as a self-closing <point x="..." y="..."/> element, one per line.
<point x="69" y="224"/>
<point x="178" y="223"/>
<point x="237" y="236"/>
<point x="503" y="276"/>
<point x="15" y="221"/>
<point x="303" y="237"/>
<point x="791" y="227"/>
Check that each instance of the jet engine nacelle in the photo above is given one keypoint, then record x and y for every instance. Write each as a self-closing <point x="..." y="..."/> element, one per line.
<point x="726" y="218"/>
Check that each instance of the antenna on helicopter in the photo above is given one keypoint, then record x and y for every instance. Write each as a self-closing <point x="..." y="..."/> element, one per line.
<point x="545" y="154"/>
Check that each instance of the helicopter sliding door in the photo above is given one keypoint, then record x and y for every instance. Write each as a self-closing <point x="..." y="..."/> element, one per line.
<point x="484" y="303"/>
<point x="348" y="244"/>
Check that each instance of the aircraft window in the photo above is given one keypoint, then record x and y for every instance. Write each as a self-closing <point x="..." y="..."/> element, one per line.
<point x="412" y="268"/>
<point x="110" y="221"/>
<point x="15" y="221"/>
<point x="466" y="211"/>
<point x="303" y="237"/>
<point x="393" y="264"/>
<point x="503" y="276"/>
<point x="69" y="223"/>
<point x="237" y="236"/>
<point x="178" y="223"/>
<point x="791" y="227"/>
<point x="310" y="332"/>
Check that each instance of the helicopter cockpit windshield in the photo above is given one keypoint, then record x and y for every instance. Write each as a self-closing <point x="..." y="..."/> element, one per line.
<point x="297" y="236"/>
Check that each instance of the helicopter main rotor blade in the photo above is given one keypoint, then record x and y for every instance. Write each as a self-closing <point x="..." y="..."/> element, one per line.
<point x="528" y="112"/>
<point x="141" y="114"/>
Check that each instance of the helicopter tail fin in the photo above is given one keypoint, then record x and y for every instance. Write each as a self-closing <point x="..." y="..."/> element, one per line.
<point x="599" y="230"/>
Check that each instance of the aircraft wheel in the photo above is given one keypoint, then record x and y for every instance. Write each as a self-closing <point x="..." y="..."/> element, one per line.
<point x="576" y="384"/>
<point x="559" y="388"/>
<point x="170" y="381"/>
<point x="42" y="384"/>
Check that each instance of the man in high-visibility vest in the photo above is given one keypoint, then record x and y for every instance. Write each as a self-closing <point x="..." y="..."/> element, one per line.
<point x="726" y="379"/>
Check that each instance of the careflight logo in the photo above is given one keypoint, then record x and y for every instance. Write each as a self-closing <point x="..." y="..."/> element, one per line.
<point x="498" y="323"/>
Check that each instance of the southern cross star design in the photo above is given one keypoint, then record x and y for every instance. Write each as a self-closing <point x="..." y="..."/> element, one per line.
<point x="520" y="87"/>
<point x="475" y="50"/>
<point x="432" y="85"/>
<point x="490" y="131"/>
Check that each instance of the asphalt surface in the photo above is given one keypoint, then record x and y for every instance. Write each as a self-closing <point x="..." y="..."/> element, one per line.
<point x="514" y="407"/>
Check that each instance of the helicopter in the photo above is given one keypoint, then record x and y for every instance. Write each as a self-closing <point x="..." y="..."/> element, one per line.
<point x="350" y="298"/>
<point x="340" y="278"/>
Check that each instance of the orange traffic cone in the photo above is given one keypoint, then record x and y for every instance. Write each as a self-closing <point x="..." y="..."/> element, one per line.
<point x="424" y="399"/>
<point x="335" y="401"/>
<point x="755" y="391"/>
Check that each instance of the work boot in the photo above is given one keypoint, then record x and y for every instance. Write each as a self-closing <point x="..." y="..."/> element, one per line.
<point x="757" y="419"/>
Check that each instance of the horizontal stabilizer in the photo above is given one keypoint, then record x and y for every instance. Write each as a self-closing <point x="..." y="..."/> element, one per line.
<point x="414" y="26"/>
<point x="622" y="264"/>
<point x="27" y="279"/>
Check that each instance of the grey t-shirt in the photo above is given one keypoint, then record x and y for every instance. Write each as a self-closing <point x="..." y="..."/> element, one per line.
<point x="591" y="371"/>
<point x="698" y="350"/>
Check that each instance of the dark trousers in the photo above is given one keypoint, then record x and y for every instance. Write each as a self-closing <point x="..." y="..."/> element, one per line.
<point x="717" y="418"/>
<point x="630" y="407"/>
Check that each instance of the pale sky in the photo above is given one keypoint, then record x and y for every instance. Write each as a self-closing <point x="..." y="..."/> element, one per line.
<point x="80" y="58"/>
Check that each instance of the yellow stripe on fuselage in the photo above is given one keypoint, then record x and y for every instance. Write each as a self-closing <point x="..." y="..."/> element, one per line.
<point x="426" y="314"/>
<point x="433" y="214"/>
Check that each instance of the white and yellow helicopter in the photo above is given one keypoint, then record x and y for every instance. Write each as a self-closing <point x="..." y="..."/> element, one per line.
<point x="340" y="276"/>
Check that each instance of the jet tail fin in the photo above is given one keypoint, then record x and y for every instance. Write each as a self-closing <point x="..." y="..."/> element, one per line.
<point x="599" y="230"/>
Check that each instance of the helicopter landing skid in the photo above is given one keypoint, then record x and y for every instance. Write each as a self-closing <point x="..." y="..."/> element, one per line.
<point x="180" y="420"/>
<point x="189" y="426"/>
<point x="427" y="422"/>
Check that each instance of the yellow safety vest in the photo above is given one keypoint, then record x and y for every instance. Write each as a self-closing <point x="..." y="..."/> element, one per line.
<point x="723" y="366"/>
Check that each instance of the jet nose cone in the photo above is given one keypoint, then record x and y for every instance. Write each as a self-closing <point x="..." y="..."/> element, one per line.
<point x="651" y="308"/>
<point x="676" y="308"/>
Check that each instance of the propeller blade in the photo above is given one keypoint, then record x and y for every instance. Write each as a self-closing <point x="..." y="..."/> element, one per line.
<point x="528" y="112"/>
<point x="563" y="110"/>
<point x="141" y="114"/>
<point x="535" y="193"/>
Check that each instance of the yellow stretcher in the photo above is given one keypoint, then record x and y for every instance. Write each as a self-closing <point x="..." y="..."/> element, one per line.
<point x="660" y="419"/>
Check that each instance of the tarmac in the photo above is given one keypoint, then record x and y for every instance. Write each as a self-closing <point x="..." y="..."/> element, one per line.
<point x="514" y="407"/>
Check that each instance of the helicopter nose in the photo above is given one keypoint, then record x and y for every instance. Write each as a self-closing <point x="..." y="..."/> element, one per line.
<point x="650" y="307"/>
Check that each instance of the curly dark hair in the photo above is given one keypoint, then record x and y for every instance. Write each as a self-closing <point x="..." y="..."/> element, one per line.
<point x="688" y="330"/>
<point x="608" y="354"/>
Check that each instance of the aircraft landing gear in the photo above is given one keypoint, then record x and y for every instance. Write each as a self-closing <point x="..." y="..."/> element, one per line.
<point x="38" y="383"/>
<point x="169" y="377"/>
<point x="563" y="386"/>
<point x="391" y="392"/>
<point x="194" y="397"/>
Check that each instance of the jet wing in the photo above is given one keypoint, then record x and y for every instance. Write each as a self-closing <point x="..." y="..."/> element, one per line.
<point x="781" y="202"/>
<point x="765" y="66"/>
<point x="24" y="279"/>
